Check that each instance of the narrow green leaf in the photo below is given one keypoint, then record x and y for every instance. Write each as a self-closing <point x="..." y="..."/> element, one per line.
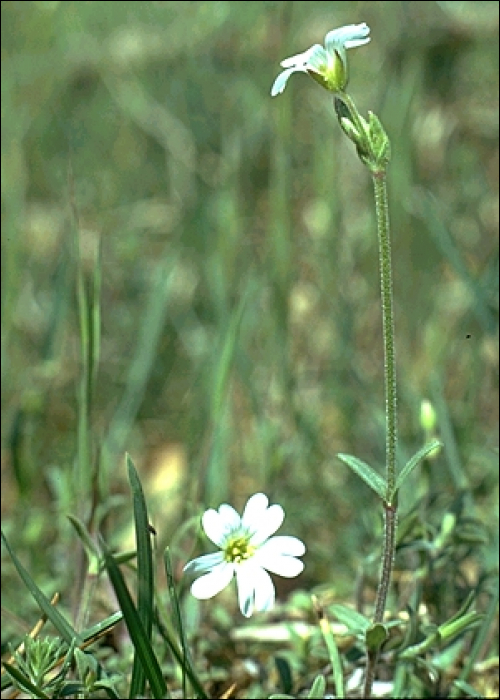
<point x="83" y="463"/>
<point x="144" y="355"/>
<point x="145" y="574"/>
<point x="414" y="462"/>
<point x="452" y="628"/>
<point x="60" y="623"/>
<point x="461" y="688"/>
<point x="353" y="620"/>
<point x="138" y="635"/>
<point x="488" y="624"/>
<point x="95" y="314"/>
<point x="224" y="359"/>
<point x="101" y="627"/>
<point x="91" y="548"/>
<point x="108" y="687"/>
<point x="335" y="660"/>
<point x="174" y="601"/>
<point x="181" y="660"/>
<point x="24" y="681"/>
<point x="367" y="473"/>
<point x="318" y="688"/>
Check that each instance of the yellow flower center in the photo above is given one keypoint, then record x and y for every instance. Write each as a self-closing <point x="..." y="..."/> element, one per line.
<point x="238" y="549"/>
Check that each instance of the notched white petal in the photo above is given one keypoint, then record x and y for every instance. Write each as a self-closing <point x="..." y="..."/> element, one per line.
<point x="269" y="522"/>
<point x="353" y="43"/>
<point x="349" y="36"/>
<point x="230" y="516"/>
<point x="264" y="590"/>
<point x="209" y="585"/>
<point x="285" y="566"/>
<point x="203" y="563"/>
<point x="215" y="526"/>
<point x="255" y="509"/>
<point x="318" y="58"/>
<point x="280" y="83"/>
<point x="300" y="59"/>
<point x="244" y="582"/>
<point x="283" y="544"/>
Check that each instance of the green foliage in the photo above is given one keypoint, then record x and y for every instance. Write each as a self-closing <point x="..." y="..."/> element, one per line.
<point x="189" y="276"/>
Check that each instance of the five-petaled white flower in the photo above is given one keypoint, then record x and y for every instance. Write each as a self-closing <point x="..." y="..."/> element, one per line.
<point x="247" y="550"/>
<point x="328" y="64"/>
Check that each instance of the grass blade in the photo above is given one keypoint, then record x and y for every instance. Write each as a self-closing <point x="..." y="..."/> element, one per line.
<point x="60" y="623"/>
<point x="138" y="635"/>
<point x="177" y="619"/>
<point x="145" y="575"/>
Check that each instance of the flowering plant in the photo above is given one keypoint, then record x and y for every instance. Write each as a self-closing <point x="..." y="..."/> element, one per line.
<point x="328" y="64"/>
<point x="248" y="552"/>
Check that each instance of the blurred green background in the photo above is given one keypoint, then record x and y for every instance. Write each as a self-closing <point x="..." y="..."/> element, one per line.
<point x="239" y="309"/>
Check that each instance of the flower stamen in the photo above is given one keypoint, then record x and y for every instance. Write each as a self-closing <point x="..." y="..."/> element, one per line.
<point x="238" y="550"/>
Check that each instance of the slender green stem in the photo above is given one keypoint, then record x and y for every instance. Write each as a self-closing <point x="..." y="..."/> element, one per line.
<point x="382" y="211"/>
<point x="390" y="508"/>
<point x="373" y="147"/>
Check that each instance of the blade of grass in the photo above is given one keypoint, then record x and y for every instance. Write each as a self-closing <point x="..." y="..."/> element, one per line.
<point x="434" y="220"/>
<point x="138" y="635"/>
<point x="174" y="601"/>
<point x="452" y="452"/>
<point x="488" y="623"/>
<point x="93" y="633"/>
<point x="145" y="575"/>
<point x="217" y="478"/>
<point x="91" y="548"/>
<point x="167" y="635"/>
<point x="155" y="313"/>
<point x="83" y="459"/>
<point x="59" y="621"/>
<point x="333" y="652"/>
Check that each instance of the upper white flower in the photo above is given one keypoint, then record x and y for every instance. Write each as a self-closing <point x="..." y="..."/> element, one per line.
<point x="247" y="550"/>
<point x="328" y="64"/>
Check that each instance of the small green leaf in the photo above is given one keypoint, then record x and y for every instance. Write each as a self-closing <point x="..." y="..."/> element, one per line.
<point x="454" y="627"/>
<point x="375" y="636"/>
<point x="412" y="463"/>
<point x="367" y="473"/>
<point x="318" y="688"/>
<point x="90" y="547"/>
<point x="353" y="620"/>
<point x="335" y="660"/>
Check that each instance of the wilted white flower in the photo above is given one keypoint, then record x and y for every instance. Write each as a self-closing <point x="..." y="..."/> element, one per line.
<point x="248" y="552"/>
<point x="328" y="64"/>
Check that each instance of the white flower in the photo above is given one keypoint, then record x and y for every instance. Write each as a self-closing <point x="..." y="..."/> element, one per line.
<point x="328" y="64"/>
<point x="247" y="550"/>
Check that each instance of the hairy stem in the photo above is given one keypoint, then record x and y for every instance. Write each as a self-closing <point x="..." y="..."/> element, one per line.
<point x="390" y="508"/>
<point x="384" y="243"/>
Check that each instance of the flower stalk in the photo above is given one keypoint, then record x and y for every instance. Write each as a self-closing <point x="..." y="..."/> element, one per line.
<point x="328" y="66"/>
<point x="384" y="245"/>
<point x="373" y="147"/>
